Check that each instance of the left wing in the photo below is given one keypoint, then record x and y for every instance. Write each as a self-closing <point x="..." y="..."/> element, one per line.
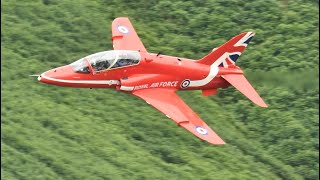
<point x="124" y="36"/>
<point x="169" y="103"/>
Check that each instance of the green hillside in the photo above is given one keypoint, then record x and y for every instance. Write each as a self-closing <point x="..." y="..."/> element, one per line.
<point x="50" y="132"/>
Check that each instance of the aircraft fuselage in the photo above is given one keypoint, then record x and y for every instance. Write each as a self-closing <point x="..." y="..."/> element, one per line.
<point x="153" y="71"/>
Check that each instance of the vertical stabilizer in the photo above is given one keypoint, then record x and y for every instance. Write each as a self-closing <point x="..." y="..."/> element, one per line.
<point x="228" y="53"/>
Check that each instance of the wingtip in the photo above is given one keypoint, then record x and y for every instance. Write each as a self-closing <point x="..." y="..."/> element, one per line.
<point x="215" y="139"/>
<point x="261" y="103"/>
<point x="203" y="132"/>
<point x="218" y="143"/>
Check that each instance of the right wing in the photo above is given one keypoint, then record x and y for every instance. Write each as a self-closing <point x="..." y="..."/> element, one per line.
<point x="124" y="36"/>
<point x="169" y="103"/>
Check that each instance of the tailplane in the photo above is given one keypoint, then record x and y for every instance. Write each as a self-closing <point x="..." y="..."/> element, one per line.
<point x="242" y="84"/>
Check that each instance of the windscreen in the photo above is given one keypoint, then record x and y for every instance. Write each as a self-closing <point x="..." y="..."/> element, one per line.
<point x="113" y="59"/>
<point x="107" y="60"/>
<point x="102" y="60"/>
<point x="80" y="66"/>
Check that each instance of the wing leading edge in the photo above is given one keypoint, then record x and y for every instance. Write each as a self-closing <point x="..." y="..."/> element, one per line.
<point x="169" y="103"/>
<point x="124" y="36"/>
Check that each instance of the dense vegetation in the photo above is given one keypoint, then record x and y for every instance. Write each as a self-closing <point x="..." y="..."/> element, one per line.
<point x="50" y="132"/>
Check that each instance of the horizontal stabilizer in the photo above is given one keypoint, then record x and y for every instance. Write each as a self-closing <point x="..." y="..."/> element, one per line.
<point x="242" y="84"/>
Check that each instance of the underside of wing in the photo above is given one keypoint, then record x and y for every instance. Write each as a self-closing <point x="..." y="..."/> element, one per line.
<point x="169" y="103"/>
<point x="124" y="36"/>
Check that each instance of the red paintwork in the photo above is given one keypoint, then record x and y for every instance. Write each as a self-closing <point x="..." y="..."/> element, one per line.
<point x="243" y="85"/>
<point x="156" y="78"/>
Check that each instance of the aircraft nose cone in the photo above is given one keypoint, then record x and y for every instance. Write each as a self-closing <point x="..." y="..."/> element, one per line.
<point x="56" y="75"/>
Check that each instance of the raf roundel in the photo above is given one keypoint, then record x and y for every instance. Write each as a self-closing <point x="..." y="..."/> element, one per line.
<point x="201" y="130"/>
<point x="123" y="29"/>
<point x="185" y="84"/>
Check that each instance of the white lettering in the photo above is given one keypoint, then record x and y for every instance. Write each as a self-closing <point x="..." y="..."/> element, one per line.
<point x="154" y="85"/>
<point x="168" y="84"/>
<point x="144" y="86"/>
<point x="158" y="84"/>
<point x="175" y="83"/>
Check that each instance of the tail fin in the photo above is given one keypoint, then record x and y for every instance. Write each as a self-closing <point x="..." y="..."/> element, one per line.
<point x="226" y="56"/>
<point x="228" y="53"/>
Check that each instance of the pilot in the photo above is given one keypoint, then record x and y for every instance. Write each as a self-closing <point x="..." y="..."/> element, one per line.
<point x="122" y="62"/>
<point x="101" y="66"/>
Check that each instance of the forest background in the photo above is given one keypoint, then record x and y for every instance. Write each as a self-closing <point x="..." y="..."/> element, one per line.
<point x="50" y="132"/>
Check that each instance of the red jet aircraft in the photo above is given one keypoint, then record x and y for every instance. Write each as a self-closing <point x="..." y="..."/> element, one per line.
<point x="155" y="77"/>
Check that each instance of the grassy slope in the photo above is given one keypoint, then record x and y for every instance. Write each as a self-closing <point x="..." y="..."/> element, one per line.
<point x="63" y="133"/>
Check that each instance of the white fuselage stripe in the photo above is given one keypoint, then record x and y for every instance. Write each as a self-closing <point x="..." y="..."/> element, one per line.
<point x="213" y="72"/>
<point x="107" y="82"/>
<point x="197" y="83"/>
<point x="126" y="88"/>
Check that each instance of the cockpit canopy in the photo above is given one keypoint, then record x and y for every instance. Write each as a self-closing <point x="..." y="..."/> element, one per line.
<point x="106" y="60"/>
